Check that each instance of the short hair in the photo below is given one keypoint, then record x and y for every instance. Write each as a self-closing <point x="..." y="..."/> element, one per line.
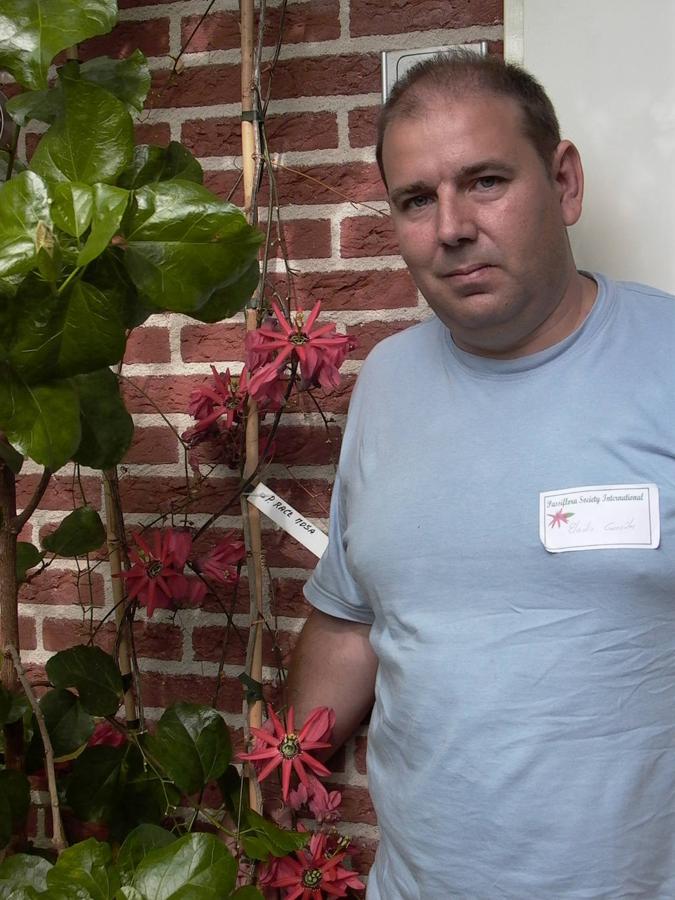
<point x="461" y="72"/>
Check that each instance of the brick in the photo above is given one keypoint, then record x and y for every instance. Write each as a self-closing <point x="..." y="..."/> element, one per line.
<point x="302" y="239"/>
<point x="195" y="86"/>
<point x="228" y="598"/>
<point x="303" y="22"/>
<point x="153" y="640"/>
<point x="291" y="131"/>
<point x="62" y="494"/>
<point x="213" y="643"/>
<point x="360" y="750"/>
<point x="354" y="290"/>
<point x="356" y="182"/>
<point x="304" y="445"/>
<point x="363" y="126"/>
<point x="151" y="37"/>
<point x="27" y="634"/>
<point x="212" y="343"/>
<point x="402" y="16"/>
<point x="153" y="445"/>
<point x="158" y="133"/>
<point x="362" y="853"/>
<point x="161" y="689"/>
<point x="372" y="333"/>
<point x="283" y="550"/>
<point x="59" y="586"/>
<point x="310" y="496"/>
<point x="367" y="236"/>
<point x="165" y="393"/>
<point x="152" y="495"/>
<point x="57" y="634"/>
<point x="356" y="803"/>
<point x="158" y="640"/>
<point x="148" y="344"/>
<point x="288" y="599"/>
<point x="327" y="76"/>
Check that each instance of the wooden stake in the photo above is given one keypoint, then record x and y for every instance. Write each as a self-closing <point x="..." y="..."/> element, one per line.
<point x="251" y="514"/>
<point x="114" y="557"/>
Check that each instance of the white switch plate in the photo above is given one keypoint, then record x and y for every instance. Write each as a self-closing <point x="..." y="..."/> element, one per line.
<point x="395" y="63"/>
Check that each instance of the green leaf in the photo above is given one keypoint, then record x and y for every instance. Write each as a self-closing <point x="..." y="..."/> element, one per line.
<point x="23" y="871"/>
<point x="15" y="787"/>
<point x="229" y="300"/>
<point x="194" y="866"/>
<point x="72" y="207"/>
<point x="10" y="457"/>
<point x="27" y="557"/>
<point x="108" y="273"/>
<point x="91" y="140"/>
<point x="137" y="844"/>
<point x="93" y="673"/>
<point x="192" y="744"/>
<point x="151" y="164"/>
<point x="278" y="841"/>
<point x="68" y="725"/>
<point x="107" y="427"/>
<point x="5" y="821"/>
<point x="92" y="331"/>
<point x="24" y="213"/>
<point x="183" y="244"/>
<point x="248" y="892"/>
<point x="128" y="79"/>
<point x="20" y="709"/>
<point x="255" y="848"/>
<point x="32" y="32"/>
<point x="81" y="532"/>
<point x="110" y="204"/>
<point x="41" y="105"/>
<point x="42" y="421"/>
<point x="88" y="866"/>
<point x="95" y="782"/>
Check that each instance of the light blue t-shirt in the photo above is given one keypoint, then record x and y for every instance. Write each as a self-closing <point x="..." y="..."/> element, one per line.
<point x="522" y="743"/>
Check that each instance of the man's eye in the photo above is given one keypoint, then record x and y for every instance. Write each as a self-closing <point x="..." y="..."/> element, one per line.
<point x="417" y="202"/>
<point x="487" y="182"/>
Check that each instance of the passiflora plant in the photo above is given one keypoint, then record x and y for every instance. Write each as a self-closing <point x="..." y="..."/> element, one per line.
<point x="96" y="234"/>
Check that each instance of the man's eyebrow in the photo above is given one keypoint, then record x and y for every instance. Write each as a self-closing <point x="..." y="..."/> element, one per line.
<point x="485" y="165"/>
<point x="407" y="190"/>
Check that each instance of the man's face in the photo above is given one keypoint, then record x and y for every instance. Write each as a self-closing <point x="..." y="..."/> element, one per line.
<point x="480" y="222"/>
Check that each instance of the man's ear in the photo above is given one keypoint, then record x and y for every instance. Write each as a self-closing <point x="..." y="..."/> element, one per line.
<point x="568" y="174"/>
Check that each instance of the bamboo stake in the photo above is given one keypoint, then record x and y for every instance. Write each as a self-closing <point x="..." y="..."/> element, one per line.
<point x="114" y="557"/>
<point x="251" y="514"/>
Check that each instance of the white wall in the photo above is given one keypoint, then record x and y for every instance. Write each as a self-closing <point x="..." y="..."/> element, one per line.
<point x="609" y="67"/>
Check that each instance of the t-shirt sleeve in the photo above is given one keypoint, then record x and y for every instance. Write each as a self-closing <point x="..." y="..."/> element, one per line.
<point x="331" y="587"/>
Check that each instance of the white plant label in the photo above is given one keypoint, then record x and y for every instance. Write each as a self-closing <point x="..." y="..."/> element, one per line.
<point x="283" y="514"/>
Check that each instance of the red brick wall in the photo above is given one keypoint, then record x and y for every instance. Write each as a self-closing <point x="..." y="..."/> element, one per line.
<point x="325" y="96"/>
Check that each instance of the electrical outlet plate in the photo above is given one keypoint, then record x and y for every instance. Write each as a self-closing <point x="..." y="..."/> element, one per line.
<point x="395" y="63"/>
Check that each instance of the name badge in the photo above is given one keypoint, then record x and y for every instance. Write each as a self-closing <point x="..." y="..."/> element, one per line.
<point x="600" y="517"/>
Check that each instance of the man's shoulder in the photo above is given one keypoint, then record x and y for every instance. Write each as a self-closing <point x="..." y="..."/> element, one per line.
<point x="634" y="291"/>
<point x="405" y="345"/>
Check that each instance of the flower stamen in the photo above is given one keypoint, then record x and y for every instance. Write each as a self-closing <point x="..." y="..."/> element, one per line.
<point x="290" y="747"/>
<point x="312" y="878"/>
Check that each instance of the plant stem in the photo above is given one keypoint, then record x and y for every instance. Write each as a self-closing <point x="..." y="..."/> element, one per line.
<point x="58" y="838"/>
<point x="9" y="611"/>
<point x="20" y="520"/>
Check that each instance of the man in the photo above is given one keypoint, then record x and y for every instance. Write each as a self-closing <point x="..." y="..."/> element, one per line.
<point x="522" y="741"/>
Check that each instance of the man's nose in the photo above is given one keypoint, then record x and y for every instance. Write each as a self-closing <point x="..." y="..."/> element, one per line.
<point x="455" y="220"/>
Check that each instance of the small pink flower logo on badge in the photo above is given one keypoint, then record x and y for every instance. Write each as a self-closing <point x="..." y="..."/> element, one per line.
<point x="559" y="518"/>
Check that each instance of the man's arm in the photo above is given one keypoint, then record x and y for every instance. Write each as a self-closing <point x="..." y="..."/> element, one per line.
<point x="333" y="665"/>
